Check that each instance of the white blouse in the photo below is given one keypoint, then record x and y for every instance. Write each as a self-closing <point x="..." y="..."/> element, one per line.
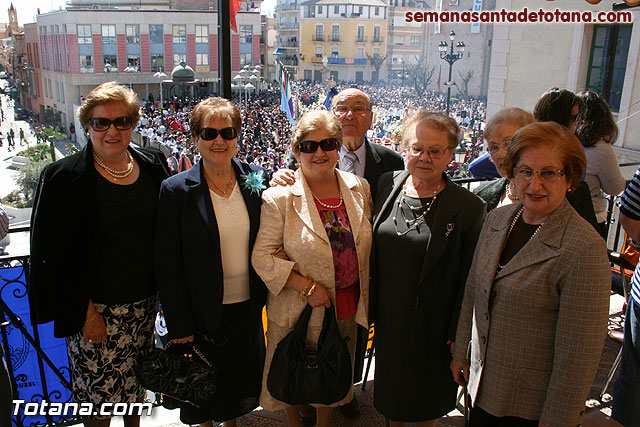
<point x="233" y="226"/>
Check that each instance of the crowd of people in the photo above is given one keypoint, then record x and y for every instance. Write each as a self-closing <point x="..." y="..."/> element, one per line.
<point x="505" y="291"/>
<point x="266" y="133"/>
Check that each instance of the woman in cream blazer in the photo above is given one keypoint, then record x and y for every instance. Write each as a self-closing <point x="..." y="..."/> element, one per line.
<point x="313" y="246"/>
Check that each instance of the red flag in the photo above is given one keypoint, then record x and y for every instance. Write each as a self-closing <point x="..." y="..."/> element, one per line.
<point x="234" y="7"/>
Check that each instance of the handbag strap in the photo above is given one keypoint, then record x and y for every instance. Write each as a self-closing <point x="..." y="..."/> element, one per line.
<point x="329" y="324"/>
<point x="300" y="328"/>
<point x="195" y="350"/>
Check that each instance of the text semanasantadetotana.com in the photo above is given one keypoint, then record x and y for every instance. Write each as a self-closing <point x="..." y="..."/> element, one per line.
<point x="80" y="409"/>
<point x="523" y="16"/>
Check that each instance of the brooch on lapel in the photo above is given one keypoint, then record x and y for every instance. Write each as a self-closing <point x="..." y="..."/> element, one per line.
<point x="254" y="182"/>
<point x="450" y="228"/>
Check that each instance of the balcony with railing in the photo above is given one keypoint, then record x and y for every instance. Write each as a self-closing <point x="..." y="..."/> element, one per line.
<point x="362" y="39"/>
<point x="289" y="43"/>
<point x="318" y="38"/>
<point x="287" y="7"/>
<point x="378" y="39"/>
<point x="288" y="26"/>
<point x="335" y="38"/>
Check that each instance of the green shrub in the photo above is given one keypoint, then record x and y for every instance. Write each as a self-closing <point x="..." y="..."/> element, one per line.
<point x="71" y="149"/>
<point x="37" y="153"/>
<point x="14" y="199"/>
<point x="28" y="177"/>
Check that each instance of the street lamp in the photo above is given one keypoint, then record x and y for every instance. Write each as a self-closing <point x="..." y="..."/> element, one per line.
<point x="160" y="75"/>
<point x="450" y="57"/>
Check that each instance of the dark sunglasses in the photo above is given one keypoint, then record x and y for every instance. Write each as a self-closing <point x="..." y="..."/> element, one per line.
<point x="209" y="134"/>
<point x="101" y="124"/>
<point x="328" y="144"/>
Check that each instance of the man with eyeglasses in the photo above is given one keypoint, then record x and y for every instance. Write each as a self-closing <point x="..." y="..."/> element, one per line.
<point x="357" y="155"/>
<point x="363" y="158"/>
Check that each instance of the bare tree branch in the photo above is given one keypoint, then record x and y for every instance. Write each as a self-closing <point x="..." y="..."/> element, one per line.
<point x="464" y="90"/>
<point x="420" y="73"/>
<point x="376" y="60"/>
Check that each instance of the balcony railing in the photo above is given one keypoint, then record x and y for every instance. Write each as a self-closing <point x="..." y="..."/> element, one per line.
<point x="361" y="39"/>
<point x="318" y="38"/>
<point x="378" y="40"/>
<point x="289" y="44"/>
<point x="288" y="26"/>
<point x="335" y="38"/>
<point x="287" y="7"/>
<point x="348" y="61"/>
<point x="291" y="62"/>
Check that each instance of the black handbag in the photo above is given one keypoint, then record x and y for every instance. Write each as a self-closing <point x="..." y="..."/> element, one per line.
<point x="180" y="371"/>
<point x="299" y="376"/>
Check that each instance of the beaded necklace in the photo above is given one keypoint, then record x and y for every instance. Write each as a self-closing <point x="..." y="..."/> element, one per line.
<point x="513" y="224"/>
<point x="508" y="191"/>
<point x="419" y="217"/>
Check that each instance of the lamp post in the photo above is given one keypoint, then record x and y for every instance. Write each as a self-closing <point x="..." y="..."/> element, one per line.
<point x="450" y="57"/>
<point x="160" y="75"/>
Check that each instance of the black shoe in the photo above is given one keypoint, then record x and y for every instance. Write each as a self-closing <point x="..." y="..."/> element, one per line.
<point x="351" y="409"/>
<point x="308" y="416"/>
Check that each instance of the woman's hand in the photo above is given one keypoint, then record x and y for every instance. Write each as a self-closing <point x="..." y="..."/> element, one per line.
<point x="94" y="330"/>
<point x="283" y="177"/>
<point x="460" y="372"/>
<point x="320" y="296"/>
<point x="452" y="346"/>
<point x="183" y="340"/>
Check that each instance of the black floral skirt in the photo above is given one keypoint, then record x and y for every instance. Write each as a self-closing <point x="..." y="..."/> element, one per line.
<point x="105" y="372"/>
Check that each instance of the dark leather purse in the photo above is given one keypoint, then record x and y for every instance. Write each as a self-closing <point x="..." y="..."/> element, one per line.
<point x="298" y="376"/>
<point x="181" y="372"/>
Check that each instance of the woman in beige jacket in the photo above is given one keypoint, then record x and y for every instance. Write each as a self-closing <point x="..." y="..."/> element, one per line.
<point x="313" y="247"/>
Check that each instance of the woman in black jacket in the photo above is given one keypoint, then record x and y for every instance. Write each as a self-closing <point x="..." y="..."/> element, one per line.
<point x="207" y="224"/>
<point x="91" y="251"/>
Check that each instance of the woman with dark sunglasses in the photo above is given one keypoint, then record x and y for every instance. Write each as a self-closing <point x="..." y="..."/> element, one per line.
<point x="425" y="230"/>
<point x="105" y="305"/>
<point x="313" y="248"/>
<point x="208" y="219"/>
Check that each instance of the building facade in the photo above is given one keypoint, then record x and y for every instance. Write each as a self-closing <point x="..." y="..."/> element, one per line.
<point x="35" y="101"/>
<point x="287" y="15"/>
<point x="528" y="59"/>
<point x="338" y="37"/>
<point x="81" y="48"/>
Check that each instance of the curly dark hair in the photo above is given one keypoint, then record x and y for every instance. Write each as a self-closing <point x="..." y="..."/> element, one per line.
<point x="555" y="105"/>
<point x="595" y="120"/>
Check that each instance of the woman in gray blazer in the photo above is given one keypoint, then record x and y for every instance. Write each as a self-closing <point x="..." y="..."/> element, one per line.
<point x="537" y="296"/>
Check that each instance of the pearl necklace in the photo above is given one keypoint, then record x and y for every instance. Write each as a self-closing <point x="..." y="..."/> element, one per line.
<point x="418" y="220"/>
<point x="508" y="191"/>
<point x="114" y="173"/>
<point x="324" y="205"/>
<point x="513" y="224"/>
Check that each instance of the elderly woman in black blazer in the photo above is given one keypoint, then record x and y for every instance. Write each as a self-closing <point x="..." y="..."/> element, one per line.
<point x="207" y="223"/>
<point x="425" y="231"/>
<point x="105" y="303"/>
